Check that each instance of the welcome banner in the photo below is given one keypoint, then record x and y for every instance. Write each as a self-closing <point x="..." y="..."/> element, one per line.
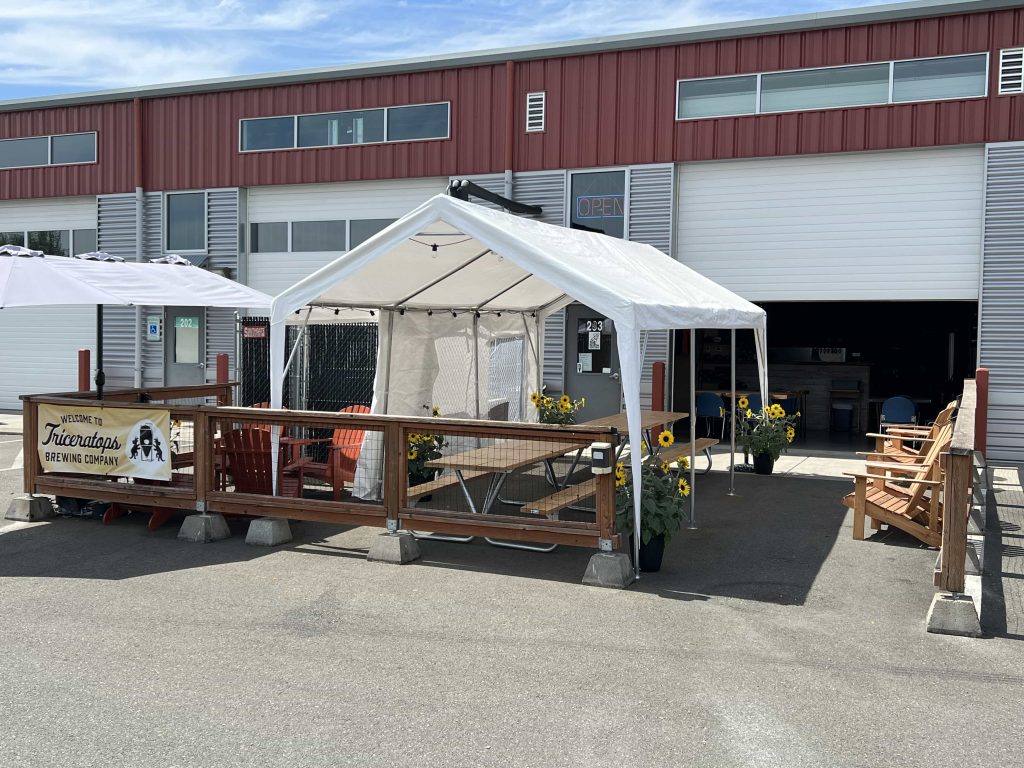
<point x="123" y="442"/>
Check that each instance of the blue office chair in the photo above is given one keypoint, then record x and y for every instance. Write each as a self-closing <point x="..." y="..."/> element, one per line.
<point x="898" y="410"/>
<point x="710" y="406"/>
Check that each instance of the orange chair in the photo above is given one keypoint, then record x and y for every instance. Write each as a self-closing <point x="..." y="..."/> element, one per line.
<point x="343" y="453"/>
<point x="248" y="454"/>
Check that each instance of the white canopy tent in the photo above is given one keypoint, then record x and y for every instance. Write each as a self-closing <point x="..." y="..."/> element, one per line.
<point x="449" y="259"/>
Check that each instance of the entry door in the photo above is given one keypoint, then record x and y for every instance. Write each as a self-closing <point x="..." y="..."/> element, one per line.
<point x="185" y="347"/>
<point x="592" y="362"/>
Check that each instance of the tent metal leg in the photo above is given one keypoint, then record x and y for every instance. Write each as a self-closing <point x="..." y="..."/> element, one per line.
<point x="732" y="436"/>
<point x="693" y="428"/>
<point x="101" y="377"/>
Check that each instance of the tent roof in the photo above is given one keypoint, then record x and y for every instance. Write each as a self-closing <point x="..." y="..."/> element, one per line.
<point x="449" y="254"/>
<point x="141" y="283"/>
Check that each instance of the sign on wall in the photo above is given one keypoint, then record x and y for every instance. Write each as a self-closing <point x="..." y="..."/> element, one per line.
<point x="119" y="442"/>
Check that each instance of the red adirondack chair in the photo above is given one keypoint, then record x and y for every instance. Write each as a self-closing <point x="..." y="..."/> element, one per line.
<point x="342" y="455"/>
<point x="248" y="453"/>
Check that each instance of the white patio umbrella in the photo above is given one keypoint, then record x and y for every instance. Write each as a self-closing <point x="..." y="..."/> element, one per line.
<point x="32" y="279"/>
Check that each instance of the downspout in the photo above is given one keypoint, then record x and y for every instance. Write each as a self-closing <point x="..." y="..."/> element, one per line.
<point x="510" y="123"/>
<point x="139" y="255"/>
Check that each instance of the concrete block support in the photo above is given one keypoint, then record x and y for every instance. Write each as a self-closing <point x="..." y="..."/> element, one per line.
<point x="268" y="532"/>
<point x="395" y="548"/>
<point x="953" y="615"/>
<point x="203" y="528"/>
<point x="29" y="509"/>
<point x="612" y="570"/>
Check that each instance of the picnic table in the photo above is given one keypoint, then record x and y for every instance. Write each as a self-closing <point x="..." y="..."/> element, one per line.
<point x="648" y="421"/>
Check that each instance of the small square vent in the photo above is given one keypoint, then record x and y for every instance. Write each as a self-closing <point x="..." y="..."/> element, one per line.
<point x="535" y="111"/>
<point x="1011" y="70"/>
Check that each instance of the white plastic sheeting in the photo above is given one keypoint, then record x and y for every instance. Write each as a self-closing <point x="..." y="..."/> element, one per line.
<point x="436" y="360"/>
<point x="449" y="255"/>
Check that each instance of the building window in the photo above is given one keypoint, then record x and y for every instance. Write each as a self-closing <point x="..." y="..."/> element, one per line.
<point x="268" y="133"/>
<point x="954" y="77"/>
<point x="270" y="237"/>
<point x="65" y="149"/>
<point x="535" y="107"/>
<point x="825" y="88"/>
<point x="12" y="238"/>
<point x="341" y="128"/>
<point x="598" y="202"/>
<point x="348" y="128"/>
<point x="54" y="242"/>
<point x="717" y="97"/>
<point x="361" y="230"/>
<point x="186" y="221"/>
<point x="318" y="236"/>
<point x="426" y="121"/>
<point x="83" y="241"/>
<point x="944" y="77"/>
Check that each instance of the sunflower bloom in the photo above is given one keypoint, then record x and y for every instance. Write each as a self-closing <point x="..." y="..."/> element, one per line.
<point x="620" y="481"/>
<point x="565" y="400"/>
<point x="743" y="402"/>
<point x="684" y="487"/>
<point x="664" y="467"/>
<point x="414" y="437"/>
<point x="564" y="407"/>
<point x="749" y="414"/>
<point x="435" y="411"/>
<point x="684" y="462"/>
<point x="665" y="439"/>
<point x="790" y="434"/>
<point x="535" y="398"/>
<point x="411" y="454"/>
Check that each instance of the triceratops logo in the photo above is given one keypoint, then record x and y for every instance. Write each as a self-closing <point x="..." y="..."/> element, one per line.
<point x="146" y="444"/>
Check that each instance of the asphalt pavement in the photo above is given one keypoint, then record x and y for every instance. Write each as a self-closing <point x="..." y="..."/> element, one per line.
<point x="770" y="638"/>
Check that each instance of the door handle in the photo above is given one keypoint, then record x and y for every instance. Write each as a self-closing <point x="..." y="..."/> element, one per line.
<point x="614" y="376"/>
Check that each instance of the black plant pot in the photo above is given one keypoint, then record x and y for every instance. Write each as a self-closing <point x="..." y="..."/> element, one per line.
<point x="652" y="553"/>
<point x="763" y="464"/>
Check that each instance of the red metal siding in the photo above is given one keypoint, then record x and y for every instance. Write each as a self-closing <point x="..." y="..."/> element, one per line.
<point x="192" y="141"/>
<point x="112" y="171"/>
<point x="633" y="94"/>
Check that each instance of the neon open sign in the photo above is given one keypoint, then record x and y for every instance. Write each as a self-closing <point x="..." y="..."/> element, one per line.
<point x="600" y="206"/>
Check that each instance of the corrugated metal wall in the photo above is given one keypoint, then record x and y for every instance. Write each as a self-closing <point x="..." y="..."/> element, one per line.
<point x="222" y="246"/>
<point x="116" y="235"/>
<point x="651" y="201"/>
<point x="115" y="146"/>
<point x="1001" y="320"/>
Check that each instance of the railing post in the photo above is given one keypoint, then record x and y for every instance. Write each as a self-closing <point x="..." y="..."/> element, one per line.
<point x="606" y="508"/>
<point x="395" y="474"/>
<point x="84" y="370"/>
<point x="957" y="499"/>
<point x="981" y="411"/>
<point x="29" y="444"/>
<point x="202" y="457"/>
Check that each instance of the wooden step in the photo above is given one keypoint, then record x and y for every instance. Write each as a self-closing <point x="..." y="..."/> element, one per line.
<point x="445" y="481"/>
<point x="549" y="506"/>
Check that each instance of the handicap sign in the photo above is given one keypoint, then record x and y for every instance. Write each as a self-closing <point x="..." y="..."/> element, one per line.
<point x="154" y="327"/>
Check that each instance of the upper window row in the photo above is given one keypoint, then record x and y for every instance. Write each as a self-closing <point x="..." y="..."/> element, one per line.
<point x="893" y="82"/>
<point x="334" y="129"/>
<point x="64" y="149"/>
<point x="301" y="236"/>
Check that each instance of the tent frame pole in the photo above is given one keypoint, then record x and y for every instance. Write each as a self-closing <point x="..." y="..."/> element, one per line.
<point x="476" y="363"/>
<point x="101" y="377"/>
<point x="693" y="428"/>
<point x="732" y="429"/>
<point x="295" y="346"/>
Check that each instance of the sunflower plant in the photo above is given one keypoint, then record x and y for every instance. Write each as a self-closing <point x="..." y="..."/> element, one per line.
<point x="556" y="411"/>
<point x="422" y="448"/>
<point x="768" y="432"/>
<point x="663" y="492"/>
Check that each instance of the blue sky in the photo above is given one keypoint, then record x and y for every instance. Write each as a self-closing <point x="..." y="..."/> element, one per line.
<point x="63" y="46"/>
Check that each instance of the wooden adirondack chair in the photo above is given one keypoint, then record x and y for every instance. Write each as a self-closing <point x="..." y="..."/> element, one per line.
<point x="342" y="455"/>
<point x="248" y="453"/>
<point x="894" y="443"/>
<point x="906" y="496"/>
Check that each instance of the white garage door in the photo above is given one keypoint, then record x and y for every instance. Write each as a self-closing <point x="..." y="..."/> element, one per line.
<point x="360" y="201"/>
<point x="858" y="226"/>
<point x="39" y="346"/>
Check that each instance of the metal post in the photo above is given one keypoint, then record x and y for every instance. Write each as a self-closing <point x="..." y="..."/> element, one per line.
<point x="100" y="376"/>
<point x="693" y="428"/>
<point x="476" y="363"/>
<point x="732" y="435"/>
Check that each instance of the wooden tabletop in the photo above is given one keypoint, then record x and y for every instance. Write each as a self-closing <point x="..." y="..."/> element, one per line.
<point x="776" y="394"/>
<point x="504" y="457"/>
<point x="648" y="419"/>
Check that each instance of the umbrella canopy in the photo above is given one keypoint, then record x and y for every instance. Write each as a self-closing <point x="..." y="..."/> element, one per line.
<point x="29" y="279"/>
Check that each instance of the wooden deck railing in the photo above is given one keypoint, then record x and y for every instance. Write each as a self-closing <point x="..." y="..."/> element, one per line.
<point x="211" y="484"/>
<point x="958" y="475"/>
